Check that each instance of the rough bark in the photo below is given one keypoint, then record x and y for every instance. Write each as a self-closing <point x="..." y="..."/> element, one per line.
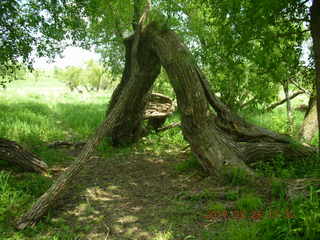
<point x="218" y="140"/>
<point x="130" y="127"/>
<point x="315" y="33"/>
<point x="212" y="148"/>
<point x="173" y="125"/>
<point x="139" y="64"/>
<point x="310" y="125"/>
<point x="12" y="152"/>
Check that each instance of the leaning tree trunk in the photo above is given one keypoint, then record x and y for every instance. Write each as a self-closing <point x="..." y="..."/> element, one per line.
<point x="223" y="141"/>
<point x="310" y="125"/>
<point x="15" y="154"/>
<point x="130" y="128"/>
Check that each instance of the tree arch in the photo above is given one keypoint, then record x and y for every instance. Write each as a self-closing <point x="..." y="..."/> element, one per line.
<point x="220" y="138"/>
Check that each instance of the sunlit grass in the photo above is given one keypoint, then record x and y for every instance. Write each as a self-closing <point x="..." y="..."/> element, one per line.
<point x="36" y="115"/>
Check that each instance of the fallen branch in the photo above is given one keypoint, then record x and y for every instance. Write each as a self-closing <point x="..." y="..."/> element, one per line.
<point x="49" y="198"/>
<point x="12" y="152"/>
<point x="173" y="125"/>
<point x="63" y="144"/>
<point x="294" y="95"/>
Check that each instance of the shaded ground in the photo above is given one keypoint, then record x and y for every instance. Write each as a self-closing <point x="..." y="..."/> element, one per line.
<point x="129" y="197"/>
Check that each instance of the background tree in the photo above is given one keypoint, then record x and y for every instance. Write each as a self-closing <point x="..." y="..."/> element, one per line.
<point x="249" y="47"/>
<point x="31" y="29"/>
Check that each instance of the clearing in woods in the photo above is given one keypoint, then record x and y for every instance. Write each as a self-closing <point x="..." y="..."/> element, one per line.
<point x="154" y="189"/>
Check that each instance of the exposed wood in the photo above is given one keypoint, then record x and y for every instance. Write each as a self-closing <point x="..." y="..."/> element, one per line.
<point x="274" y="105"/>
<point x="173" y="125"/>
<point x="159" y="107"/>
<point x="298" y="188"/>
<point x="264" y="151"/>
<point x="14" y="153"/>
<point x="63" y="144"/>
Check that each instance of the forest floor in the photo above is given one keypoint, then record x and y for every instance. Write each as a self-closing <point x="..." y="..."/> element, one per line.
<point x="135" y="196"/>
<point x="142" y="195"/>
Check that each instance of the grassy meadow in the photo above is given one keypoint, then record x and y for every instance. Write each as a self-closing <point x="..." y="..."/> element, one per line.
<point x="154" y="189"/>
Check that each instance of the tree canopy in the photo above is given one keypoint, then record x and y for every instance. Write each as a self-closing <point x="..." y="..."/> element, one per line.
<point x="247" y="48"/>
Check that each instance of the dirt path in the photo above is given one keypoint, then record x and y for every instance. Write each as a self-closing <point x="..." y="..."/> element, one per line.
<point x="127" y="197"/>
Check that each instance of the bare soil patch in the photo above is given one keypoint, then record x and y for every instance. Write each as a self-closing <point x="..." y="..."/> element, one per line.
<point x="128" y="196"/>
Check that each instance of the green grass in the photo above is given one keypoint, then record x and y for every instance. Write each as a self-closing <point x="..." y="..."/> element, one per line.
<point x="249" y="203"/>
<point x="36" y="114"/>
<point x="188" y="165"/>
<point x="277" y="119"/>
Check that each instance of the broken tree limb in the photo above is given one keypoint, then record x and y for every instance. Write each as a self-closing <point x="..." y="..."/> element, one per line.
<point x="64" y="144"/>
<point x="158" y="108"/>
<point x="12" y="152"/>
<point x="274" y="105"/>
<point x="173" y="125"/>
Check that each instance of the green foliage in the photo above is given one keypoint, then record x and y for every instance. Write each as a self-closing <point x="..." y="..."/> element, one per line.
<point x="286" y="168"/>
<point x="162" y="85"/>
<point x="278" y="167"/>
<point x="246" y="56"/>
<point x="276" y="120"/>
<point x="307" y="217"/>
<point x="36" y="28"/>
<point x="301" y="223"/>
<point x="249" y="203"/>
<point x="92" y="77"/>
<point x="232" y="195"/>
<point x="278" y="188"/>
<point x="14" y="72"/>
<point x="192" y="163"/>
<point x="242" y="230"/>
<point x="236" y="176"/>
<point x="216" y="206"/>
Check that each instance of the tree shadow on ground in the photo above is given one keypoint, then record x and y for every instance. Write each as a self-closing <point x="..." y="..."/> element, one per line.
<point x="131" y="197"/>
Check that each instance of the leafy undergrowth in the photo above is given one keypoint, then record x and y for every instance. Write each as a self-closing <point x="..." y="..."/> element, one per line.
<point x="152" y="190"/>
